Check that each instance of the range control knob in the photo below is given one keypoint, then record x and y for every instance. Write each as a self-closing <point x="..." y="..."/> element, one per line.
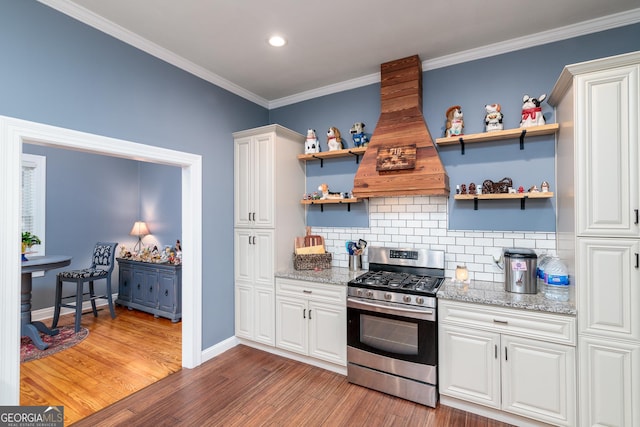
<point x="370" y="294"/>
<point x="359" y="292"/>
<point x="420" y="300"/>
<point x="387" y="296"/>
<point x="406" y="298"/>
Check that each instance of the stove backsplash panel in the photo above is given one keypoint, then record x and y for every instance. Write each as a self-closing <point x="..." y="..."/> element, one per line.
<point x="421" y="221"/>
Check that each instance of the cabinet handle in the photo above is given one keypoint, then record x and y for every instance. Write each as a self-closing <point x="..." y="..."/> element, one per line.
<point x="495" y="351"/>
<point x="309" y="314"/>
<point x="253" y="216"/>
<point x="150" y="289"/>
<point x="249" y="239"/>
<point x="304" y="313"/>
<point x="166" y="292"/>
<point x="503" y="322"/>
<point x="637" y="260"/>
<point x="505" y="353"/>
<point x="306" y="291"/>
<point x="636" y="211"/>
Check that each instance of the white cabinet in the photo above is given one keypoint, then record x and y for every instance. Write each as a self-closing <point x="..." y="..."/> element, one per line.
<point x="311" y="319"/>
<point x="487" y="356"/>
<point x="598" y="163"/>
<point x="268" y="181"/>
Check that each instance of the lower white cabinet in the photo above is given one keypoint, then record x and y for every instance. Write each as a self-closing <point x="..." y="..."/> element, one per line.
<point x="486" y="356"/>
<point x="254" y="308"/>
<point x="311" y="319"/>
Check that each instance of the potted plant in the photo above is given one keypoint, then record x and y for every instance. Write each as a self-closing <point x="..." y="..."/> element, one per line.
<point x="28" y="240"/>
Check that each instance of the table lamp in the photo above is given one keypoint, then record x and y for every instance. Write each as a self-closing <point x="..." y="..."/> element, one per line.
<point x="140" y="230"/>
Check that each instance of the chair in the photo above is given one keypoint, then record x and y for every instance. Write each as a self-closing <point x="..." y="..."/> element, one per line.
<point x="102" y="263"/>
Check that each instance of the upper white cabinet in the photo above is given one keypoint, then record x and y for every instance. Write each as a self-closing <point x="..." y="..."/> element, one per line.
<point x="268" y="175"/>
<point x="598" y="179"/>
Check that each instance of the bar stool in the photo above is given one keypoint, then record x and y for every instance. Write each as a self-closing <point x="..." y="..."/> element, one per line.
<point x="102" y="264"/>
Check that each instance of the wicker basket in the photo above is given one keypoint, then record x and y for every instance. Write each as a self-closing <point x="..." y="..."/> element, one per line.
<point x="312" y="261"/>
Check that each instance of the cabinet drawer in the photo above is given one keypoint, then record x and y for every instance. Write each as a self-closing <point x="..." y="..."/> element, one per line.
<point x="551" y="327"/>
<point x="311" y="291"/>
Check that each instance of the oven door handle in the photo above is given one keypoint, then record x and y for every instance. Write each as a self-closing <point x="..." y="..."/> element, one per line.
<point x="395" y="310"/>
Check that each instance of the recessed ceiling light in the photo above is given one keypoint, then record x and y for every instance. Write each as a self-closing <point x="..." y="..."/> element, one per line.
<point x="277" y="41"/>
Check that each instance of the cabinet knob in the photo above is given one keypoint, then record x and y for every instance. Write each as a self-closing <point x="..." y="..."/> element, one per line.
<point x="166" y="292"/>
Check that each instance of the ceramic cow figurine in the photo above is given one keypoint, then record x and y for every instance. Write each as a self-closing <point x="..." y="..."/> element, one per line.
<point x="532" y="112"/>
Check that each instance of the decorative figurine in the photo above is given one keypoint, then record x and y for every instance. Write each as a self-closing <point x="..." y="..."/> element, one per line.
<point x="457" y="189"/>
<point x="544" y="187"/>
<point x="493" y="118"/>
<point x="463" y="189"/>
<point x="312" y="144"/>
<point x="532" y="112"/>
<point x="472" y="188"/>
<point x="360" y="139"/>
<point x="334" y="140"/>
<point x="455" y="121"/>
<point x="521" y="189"/>
<point x="326" y="194"/>
<point x="534" y="189"/>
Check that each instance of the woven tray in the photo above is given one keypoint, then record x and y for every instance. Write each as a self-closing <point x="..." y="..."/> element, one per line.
<point x="312" y="261"/>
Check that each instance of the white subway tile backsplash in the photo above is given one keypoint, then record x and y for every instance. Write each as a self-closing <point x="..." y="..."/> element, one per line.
<point x="421" y="221"/>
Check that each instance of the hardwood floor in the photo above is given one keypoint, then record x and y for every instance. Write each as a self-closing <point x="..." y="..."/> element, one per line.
<point x="113" y="378"/>
<point x="119" y="357"/>
<point x="249" y="387"/>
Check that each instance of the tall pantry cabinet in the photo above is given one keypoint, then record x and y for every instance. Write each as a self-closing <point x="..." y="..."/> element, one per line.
<point x="598" y="160"/>
<point x="268" y="183"/>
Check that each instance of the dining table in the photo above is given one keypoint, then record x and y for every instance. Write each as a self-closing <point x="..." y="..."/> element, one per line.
<point x="28" y="327"/>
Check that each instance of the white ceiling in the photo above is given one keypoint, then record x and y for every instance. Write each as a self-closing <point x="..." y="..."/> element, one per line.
<point x="334" y="44"/>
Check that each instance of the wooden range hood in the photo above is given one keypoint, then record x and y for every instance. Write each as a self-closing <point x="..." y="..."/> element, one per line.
<point x="401" y="158"/>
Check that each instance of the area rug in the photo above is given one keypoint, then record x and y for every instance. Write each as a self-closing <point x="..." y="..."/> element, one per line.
<point x="65" y="339"/>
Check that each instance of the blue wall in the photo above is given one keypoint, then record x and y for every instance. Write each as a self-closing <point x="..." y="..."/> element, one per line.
<point x="61" y="72"/>
<point x="500" y="79"/>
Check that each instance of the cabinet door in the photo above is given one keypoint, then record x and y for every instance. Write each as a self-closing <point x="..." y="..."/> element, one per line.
<point x="609" y="386"/>
<point x="607" y="114"/>
<point x="139" y="287"/>
<point x="608" y="294"/>
<point x="264" y="186"/>
<point x="469" y="364"/>
<point x="125" y="282"/>
<point x="151" y="288"/>
<point x="244" y="310"/>
<point x="264" y="315"/>
<point x="539" y="380"/>
<point x="328" y="332"/>
<point x="243" y="254"/>
<point x="263" y="250"/>
<point x="167" y="291"/>
<point x="292" y="324"/>
<point x="243" y="182"/>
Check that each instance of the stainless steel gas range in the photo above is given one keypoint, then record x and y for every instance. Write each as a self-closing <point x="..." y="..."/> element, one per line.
<point x="392" y="334"/>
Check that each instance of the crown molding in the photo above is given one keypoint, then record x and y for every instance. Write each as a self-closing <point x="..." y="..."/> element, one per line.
<point x="587" y="27"/>
<point x="108" y="27"/>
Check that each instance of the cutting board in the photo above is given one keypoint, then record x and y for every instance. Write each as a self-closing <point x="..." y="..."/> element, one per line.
<point x="313" y="240"/>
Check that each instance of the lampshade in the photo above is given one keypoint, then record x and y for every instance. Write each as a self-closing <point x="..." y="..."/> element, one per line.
<point x="139" y="229"/>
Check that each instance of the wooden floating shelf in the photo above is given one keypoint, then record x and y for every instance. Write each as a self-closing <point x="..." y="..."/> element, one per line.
<point x="323" y="202"/>
<point x="547" y="195"/>
<point x="499" y="135"/>
<point x="502" y="196"/>
<point x="354" y="151"/>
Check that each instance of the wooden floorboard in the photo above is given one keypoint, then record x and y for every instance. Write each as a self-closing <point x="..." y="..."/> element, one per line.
<point x="119" y="357"/>
<point x="248" y="387"/>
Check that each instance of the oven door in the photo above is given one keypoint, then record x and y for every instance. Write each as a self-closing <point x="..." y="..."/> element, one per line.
<point x="393" y="331"/>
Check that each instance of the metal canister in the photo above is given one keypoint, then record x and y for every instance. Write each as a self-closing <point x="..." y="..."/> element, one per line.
<point x="520" y="266"/>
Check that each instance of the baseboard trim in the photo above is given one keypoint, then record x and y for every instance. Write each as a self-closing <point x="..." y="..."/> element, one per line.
<point x="494" y="414"/>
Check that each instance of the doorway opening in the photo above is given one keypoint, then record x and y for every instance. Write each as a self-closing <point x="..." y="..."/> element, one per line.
<point x="15" y="132"/>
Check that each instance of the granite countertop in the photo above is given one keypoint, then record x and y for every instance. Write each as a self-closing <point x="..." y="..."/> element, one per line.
<point x="334" y="275"/>
<point x="493" y="293"/>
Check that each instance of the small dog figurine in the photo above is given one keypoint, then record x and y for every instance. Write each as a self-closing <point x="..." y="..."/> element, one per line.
<point x="312" y="144"/>
<point x="531" y="111"/>
<point x="455" y="122"/>
<point x="358" y="135"/>
<point x="493" y="118"/>
<point x="334" y="141"/>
